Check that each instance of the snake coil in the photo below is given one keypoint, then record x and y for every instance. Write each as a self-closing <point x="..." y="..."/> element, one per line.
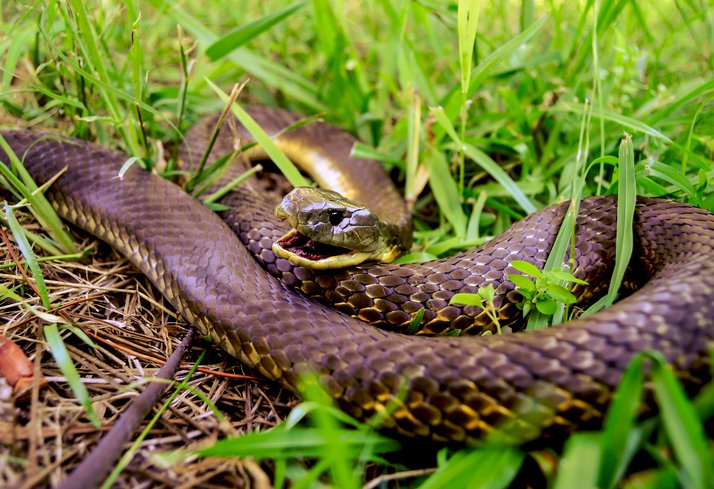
<point x="544" y="383"/>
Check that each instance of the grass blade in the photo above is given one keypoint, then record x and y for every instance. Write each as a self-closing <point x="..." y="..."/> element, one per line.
<point x="274" y="153"/>
<point x="467" y="18"/>
<point x="682" y="425"/>
<point x="626" y="200"/>
<point x="296" y="442"/>
<point x="485" y="162"/>
<point x="492" y="467"/>
<point x="445" y="191"/>
<point x="485" y="67"/>
<point x="241" y="35"/>
<point x="89" y="45"/>
<point x="620" y="435"/>
<point x="40" y="206"/>
<point x="579" y="464"/>
<point x="64" y="361"/>
<point x="30" y="257"/>
<point x="274" y="74"/>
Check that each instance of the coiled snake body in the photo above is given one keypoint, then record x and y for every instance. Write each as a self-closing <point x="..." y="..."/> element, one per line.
<point x="449" y="389"/>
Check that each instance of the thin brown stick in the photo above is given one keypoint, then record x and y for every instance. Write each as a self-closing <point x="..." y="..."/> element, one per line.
<point x="35" y="422"/>
<point x="100" y="461"/>
<point x="407" y="474"/>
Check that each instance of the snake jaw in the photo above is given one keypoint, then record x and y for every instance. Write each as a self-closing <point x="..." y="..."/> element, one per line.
<point x="300" y="250"/>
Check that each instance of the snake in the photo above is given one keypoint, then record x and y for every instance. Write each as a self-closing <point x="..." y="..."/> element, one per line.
<point x="524" y="386"/>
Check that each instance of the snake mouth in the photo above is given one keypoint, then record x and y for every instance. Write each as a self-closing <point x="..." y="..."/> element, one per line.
<point x="303" y="251"/>
<point x="297" y="243"/>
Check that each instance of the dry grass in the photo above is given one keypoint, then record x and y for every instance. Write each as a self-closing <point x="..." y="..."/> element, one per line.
<point x="134" y="329"/>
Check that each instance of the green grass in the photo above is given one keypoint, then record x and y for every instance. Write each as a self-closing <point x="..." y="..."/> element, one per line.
<point x="482" y="118"/>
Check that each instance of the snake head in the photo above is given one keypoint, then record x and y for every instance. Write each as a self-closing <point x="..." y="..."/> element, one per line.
<point x="329" y="230"/>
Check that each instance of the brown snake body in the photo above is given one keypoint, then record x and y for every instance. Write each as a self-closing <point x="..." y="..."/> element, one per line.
<point x="449" y="389"/>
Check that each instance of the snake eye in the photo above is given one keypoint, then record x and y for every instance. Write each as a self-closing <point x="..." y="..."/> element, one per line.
<point x="336" y="217"/>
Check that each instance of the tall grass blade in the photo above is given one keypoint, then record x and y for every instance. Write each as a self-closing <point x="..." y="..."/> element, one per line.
<point x="682" y="426"/>
<point x="89" y="45"/>
<point x="485" y="67"/>
<point x="485" y="162"/>
<point x="411" y="189"/>
<point x="274" y="74"/>
<point x="296" y="442"/>
<point x="243" y="34"/>
<point x="626" y="200"/>
<point x="467" y="19"/>
<point x="30" y="257"/>
<point x="445" y="191"/>
<point x="64" y="361"/>
<point x="579" y="463"/>
<point x="40" y="206"/>
<point x="491" y="467"/>
<point x="274" y="153"/>
<point x="620" y="435"/>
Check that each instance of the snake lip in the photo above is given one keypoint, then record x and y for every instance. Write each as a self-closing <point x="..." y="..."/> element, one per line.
<point x="298" y="244"/>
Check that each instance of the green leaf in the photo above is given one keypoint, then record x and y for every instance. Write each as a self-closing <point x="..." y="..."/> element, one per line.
<point x="480" y="72"/>
<point x="547" y="307"/>
<point x="566" y="277"/>
<point x="484" y="161"/>
<point x="30" y="257"/>
<point x="416" y="257"/>
<point x="487" y="293"/>
<point x="272" y="73"/>
<point x="560" y="293"/>
<point x="92" y="57"/>
<point x="668" y="108"/>
<point x="127" y="164"/>
<point x="41" y="208"/>
<point x="505" y="49"/>
<point x="467" y="300"/>
<point x="364" y="151"/>
<point x="522" y="282"/>
<point x="467" y="24"/>
<point x="668" y="174"/>
<point x="527" y="268"/>
<point x="416" y="322"/>
<point x="241" y="35"/>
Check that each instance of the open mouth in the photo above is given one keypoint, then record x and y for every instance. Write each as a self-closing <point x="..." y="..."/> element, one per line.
<point x="300" y="245"/>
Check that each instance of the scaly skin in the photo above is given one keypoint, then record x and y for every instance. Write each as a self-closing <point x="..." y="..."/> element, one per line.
<point x="544" y="383"/>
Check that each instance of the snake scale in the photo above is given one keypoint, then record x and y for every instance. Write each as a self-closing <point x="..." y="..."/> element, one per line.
<point x="544" y="383"/>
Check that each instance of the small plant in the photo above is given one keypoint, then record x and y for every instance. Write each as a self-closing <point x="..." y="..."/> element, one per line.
<point x="544" y="291"/>
<point x="483" y="299"/>
<point x="416" y="323"/>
